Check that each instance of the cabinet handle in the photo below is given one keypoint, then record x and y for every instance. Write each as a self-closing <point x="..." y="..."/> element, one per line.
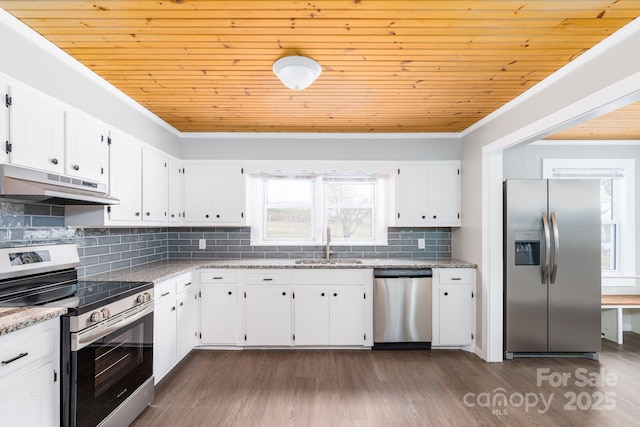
<point x="335" y="294"/>
<point x="173" y="308"/>
<point x="76" y="167"/>
<point x="446" y="293"/>
<point x="456" y="278"/>
<point x="267" y="279"/>
<point x="181" y="304"/>
<point x="217" y="216"/>
<point x="165" y="294"/>
<point x="217" y="278"/>
<point x="173" y="216"/>
<point x="148" y="214"/>
<point x="20" y="356"/>
<point x="137" y="213"/>
<point x="54" y="161"/>
<point x="206" y="216"/>
<point x="434" y="217"/>
<point x="423" y="217"/>
<point x="230" y="293"/>
<point x="322" y="294"/>
<point x="284" y="293"/>
<point x="188" y="284"/>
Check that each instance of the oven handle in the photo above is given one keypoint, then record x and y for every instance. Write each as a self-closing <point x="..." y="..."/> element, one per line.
<point x="80" y="340"/>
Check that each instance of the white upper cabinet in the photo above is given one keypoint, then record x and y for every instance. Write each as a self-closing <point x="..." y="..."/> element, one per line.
<point x="4" y="121"/>
<point x="87" y="149"/>
<point x="36" y="132"/>
<point x="214" y="193"/>
<point x="126" y="179"/>
<point x="176" y="193"/>
<point x="428" y="194"/>
<point x="155" y="185"/>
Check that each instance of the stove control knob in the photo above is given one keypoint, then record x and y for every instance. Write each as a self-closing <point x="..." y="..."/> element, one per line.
<point x="140" y="299"/>
<point x="95" y="317"/>
<point x="105" y="313"/>
<point x="147" y="296"/>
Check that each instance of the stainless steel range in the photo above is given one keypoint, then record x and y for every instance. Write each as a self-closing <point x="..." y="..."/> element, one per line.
<point x="106" y="337"/>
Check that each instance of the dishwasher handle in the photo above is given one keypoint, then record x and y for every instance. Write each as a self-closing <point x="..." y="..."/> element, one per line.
<point x="402" y="272"/>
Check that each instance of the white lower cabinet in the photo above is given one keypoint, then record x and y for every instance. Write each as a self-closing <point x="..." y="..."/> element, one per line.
<point x="175" y="323"/>
<point x="218" y="314"/>
<point x="329" y="315"/>
<point x="29" y="387"/>
<point x="268" y="315"/>
<point x="453" y="308"/>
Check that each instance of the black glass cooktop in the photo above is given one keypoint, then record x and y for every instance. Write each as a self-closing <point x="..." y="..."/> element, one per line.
<point x="62" y="289"/>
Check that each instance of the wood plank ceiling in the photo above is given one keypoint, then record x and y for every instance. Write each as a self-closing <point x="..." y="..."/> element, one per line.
<point x="387" y="66"/>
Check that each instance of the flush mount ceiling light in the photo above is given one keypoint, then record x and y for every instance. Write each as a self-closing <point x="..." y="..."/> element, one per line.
<point x="297" y="72"/>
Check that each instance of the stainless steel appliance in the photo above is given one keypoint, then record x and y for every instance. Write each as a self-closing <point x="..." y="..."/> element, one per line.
<point x="552" y="272"/>
<point x="30" y="185"/>
<point x="106" y="337"/>
<point x="402" y="308"/>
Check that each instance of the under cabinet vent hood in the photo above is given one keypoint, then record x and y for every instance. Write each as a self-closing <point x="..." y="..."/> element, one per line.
<point x="34" y="186"/>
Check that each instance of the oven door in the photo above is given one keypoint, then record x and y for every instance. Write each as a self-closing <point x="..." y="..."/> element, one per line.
<point x="107" y="371"/>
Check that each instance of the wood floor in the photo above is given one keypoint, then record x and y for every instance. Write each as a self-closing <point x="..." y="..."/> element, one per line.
<point x="398" y="388"/>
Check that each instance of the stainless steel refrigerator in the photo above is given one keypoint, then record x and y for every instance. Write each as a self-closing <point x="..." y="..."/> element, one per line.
<point x="552" y="273"/>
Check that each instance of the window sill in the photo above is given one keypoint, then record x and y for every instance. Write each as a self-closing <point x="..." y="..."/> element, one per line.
<point x="618" y="280"/>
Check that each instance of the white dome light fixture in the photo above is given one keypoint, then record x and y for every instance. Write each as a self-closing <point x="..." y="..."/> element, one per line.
<point x="297" y="72"/>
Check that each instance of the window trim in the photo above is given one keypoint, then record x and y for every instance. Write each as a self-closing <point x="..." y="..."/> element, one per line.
<point x="325" y="208"/>
<point x="625" y="275"/>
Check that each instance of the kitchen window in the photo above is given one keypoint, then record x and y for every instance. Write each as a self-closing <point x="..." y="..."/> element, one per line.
<point x="297" y="208"/>
<point x="617" y="201"/>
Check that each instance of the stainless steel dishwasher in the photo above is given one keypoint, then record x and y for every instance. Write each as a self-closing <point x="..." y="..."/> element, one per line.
<point x="402" y="308"/>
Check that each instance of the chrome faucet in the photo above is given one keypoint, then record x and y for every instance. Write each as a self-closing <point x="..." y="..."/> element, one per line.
<point x="327" y="250"/>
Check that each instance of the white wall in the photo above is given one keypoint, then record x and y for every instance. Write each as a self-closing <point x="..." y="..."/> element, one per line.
<point x="322" y="147"/>
<point x="32" y="60"/>
<point x="526" y="163"/>
<point x="608" y="74"/>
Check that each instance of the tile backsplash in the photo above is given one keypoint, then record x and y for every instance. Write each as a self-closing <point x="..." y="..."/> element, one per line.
<point x="107" y="249"/>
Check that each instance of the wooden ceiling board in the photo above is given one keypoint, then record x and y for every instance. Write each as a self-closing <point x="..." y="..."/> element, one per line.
<point x="387" y="66"/>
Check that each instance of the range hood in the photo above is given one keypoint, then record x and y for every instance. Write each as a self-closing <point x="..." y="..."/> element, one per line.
<point x="34" y="186"/>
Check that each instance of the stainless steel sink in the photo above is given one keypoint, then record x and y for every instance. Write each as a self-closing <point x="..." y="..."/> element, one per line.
<point x="328" y="261"/>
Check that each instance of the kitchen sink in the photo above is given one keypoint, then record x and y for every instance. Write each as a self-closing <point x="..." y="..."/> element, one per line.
<point x="328" y="261"/>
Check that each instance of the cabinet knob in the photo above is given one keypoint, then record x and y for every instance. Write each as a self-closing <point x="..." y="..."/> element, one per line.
<point x="137" y="213"/>
<point x="173" y="308"/>
<point x="173" y="216"/>
<point x="335" y="294"/>
<point x="206" y="216"/>
<point x="181" y="304"/>
<point x="148" y="214"/>
<point x="446" y="293"/>
<point x="322" y="294"/>
<point x="434" y="217"/>
<point x="423" y="217"/>
<point x="217" y="216"/>
<point x="284" y="293"/>
<point x="76" y="167"/>
<point x="230" y="292"/>
<point x="54" y="161"/>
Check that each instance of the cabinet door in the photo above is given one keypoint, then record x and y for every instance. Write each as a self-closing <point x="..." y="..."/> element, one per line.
<point x="268" y="315"/>
<point x="347" y="315"/>
<point x="164" y="338"/>
<point x="36" y="132"/>
<point x="29" y="399"/>
<point x="219" y="314"/>
<point x="228" y="193"/>
<point x="155" y="183"/>
<point x="125" y="182"/>
<point x="87" y="148"/>
<point x="187" y="323"/>
<point x="4" y="121"/>
<point x="311" y="315"/>
<point x="198" y="196"/>
<point x="412" y="195"/>
<point x="455" y="314"/>
<point x="444" y="194"/>
<point x="176" y="186"/>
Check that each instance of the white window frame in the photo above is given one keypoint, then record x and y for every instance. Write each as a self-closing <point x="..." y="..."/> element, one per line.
<point x="312" y="206"/>
<point x="382" y="198"/>
<point x="625" y="274"/>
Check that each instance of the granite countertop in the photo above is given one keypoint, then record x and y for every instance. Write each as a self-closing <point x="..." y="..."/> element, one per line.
<point x="164" y="270"/>
<point x="15" y="318"/>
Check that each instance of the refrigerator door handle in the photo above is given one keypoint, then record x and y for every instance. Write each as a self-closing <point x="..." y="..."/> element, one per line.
<point x="546" y="247"/>
<point x="556" y="247"/>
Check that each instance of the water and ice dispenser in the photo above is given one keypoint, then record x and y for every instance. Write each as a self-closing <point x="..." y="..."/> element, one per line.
<point x="527" y="247"/>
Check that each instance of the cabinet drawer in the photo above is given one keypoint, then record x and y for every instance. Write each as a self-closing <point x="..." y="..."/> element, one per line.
<point x="456" y="276"/>
<point x="184" y="283"/>
<point x="22" y="347"/>
<point x="164" y="291"/>
<point x="218" y="276"/>
<point x="268" y="278"/>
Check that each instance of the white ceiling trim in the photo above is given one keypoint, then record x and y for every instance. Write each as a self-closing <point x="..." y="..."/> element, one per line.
<point x="318" y="135"/>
